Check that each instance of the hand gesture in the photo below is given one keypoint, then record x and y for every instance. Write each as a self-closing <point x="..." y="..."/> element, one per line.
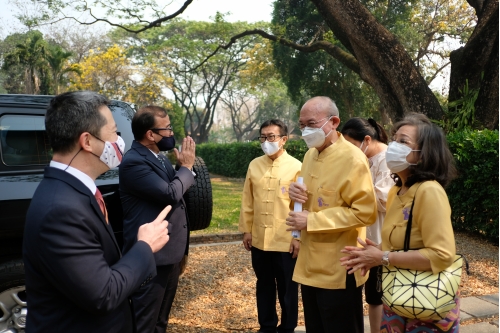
<point x="155" y="234"/>
<point x="187" y="154"/>
<point x="363" y="258"/>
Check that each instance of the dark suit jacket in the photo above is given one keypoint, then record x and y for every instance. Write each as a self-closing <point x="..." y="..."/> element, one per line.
<point x="76" y="278"/>
<point x="146" y="188"/>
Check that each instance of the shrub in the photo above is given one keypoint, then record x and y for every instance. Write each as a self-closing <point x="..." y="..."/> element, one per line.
<point x="232" y="159"/>
<point x="474" y="194"/>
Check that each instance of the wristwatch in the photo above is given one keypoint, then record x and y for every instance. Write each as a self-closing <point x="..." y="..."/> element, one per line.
<point x="385" y="259"/>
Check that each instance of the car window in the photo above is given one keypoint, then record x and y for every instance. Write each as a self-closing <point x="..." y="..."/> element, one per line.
<point x="23" y="140"/>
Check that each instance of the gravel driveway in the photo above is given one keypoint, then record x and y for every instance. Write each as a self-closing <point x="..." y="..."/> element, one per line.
<point x="217" y="291"/>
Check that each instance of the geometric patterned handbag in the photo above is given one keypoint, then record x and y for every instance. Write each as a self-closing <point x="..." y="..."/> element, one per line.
<point x="421" y="294"/>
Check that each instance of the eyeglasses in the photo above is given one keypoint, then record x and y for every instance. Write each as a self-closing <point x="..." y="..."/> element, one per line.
<point x="311" y="123"/>
<point x="269" y="138"/>
<point x="169" y="128"/>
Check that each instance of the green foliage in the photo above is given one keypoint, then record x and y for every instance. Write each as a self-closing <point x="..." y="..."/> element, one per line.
<point x="32" y="65"/>
<point x="232" y="159"/>
<point x="29" y="56"/>
<point x="58" y="61"/>
<point x="178" y="48"/>
<point x="177" y="121"/>
<point x="474" y="194"/>
<point x="460" y="113"/>
<point x="226" y="209"/>
<point x="229" y="159"/>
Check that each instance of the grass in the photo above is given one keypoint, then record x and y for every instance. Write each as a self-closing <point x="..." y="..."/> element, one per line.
<point x="226" y="194"/>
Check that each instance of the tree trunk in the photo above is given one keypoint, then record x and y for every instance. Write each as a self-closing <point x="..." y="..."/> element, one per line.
<point x="479" y="58"/>
<point x="383" y="61"/>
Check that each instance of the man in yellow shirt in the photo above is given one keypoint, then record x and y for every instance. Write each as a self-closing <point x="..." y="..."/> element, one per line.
<point x="264" y="208"/>
<point x="338" y="203"/>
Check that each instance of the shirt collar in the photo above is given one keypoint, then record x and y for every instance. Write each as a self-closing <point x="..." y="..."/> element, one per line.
<point x="81" y="176"/>
<point x="156" y="155"/>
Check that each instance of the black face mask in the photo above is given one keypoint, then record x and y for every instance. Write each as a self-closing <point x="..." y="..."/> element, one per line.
<point x="166" y="143"/>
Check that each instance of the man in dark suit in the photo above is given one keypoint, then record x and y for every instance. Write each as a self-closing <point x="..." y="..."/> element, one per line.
<point x="76" y="277"/>
<point x="148" y="182"/>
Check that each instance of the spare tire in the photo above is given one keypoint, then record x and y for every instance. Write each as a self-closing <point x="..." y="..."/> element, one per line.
<point x="198" y="198"/>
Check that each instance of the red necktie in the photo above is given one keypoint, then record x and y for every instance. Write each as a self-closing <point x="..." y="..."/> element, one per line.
<point x="100" y="201"/>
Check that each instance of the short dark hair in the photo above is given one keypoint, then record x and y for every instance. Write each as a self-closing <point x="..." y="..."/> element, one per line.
<point x="71" y="114"/>
<point x="144" y="120"/>
<point x="276" y="122"/>
<point x="357" y="128"/>
<point x="436" y="161"/>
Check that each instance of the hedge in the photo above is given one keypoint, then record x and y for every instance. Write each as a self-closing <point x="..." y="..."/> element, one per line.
<point x="232" y="159"/>
<point x="473" y="195"/>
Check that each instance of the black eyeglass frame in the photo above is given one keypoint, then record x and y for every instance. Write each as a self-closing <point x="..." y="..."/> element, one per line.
<point x="269" y="136"/>
<point x="169" y="128"/>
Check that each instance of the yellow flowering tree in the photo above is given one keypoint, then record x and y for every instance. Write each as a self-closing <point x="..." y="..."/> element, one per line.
<point x="107" y="72"/>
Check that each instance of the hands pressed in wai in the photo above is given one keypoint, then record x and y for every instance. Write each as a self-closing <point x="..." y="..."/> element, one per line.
<point x="187" y="154"/>
<point x="361" y="258"/>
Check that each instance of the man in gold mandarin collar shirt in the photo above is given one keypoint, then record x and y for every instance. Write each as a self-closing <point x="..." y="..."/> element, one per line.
<point x="265" y="206"/>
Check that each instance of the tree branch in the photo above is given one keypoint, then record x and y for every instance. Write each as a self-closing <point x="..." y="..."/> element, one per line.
<point x="153" y="24"/>
<point x="336" y="52"/>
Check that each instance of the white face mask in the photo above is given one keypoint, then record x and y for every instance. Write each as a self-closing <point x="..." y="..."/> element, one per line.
<point x="395" y="156"/>
<point x="361" y="147"/>
<point x="315" y="137"/>
<point x="112" y="153"/>
<point x="270" y="148"/>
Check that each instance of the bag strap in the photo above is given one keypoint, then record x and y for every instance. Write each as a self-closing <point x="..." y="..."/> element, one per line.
<point x="406" y="246"/>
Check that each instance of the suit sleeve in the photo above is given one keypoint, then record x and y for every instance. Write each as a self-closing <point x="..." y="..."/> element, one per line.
<point x="72" y="257"/>
<point x="138" y="178"/>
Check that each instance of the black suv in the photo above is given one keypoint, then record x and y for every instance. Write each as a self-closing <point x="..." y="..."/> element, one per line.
<point x="24" y="152"/>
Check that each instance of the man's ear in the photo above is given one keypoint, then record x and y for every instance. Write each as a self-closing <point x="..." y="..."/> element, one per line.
<point x="336" y="122"/>
<point x="84" y="141"/>
<point x="149" y="135"/>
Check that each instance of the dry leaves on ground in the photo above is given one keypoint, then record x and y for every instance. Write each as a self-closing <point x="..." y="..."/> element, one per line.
<point x="217" y="291"/>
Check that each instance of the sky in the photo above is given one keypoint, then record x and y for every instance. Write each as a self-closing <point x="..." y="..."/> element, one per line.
<point x="199" y="10"/>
